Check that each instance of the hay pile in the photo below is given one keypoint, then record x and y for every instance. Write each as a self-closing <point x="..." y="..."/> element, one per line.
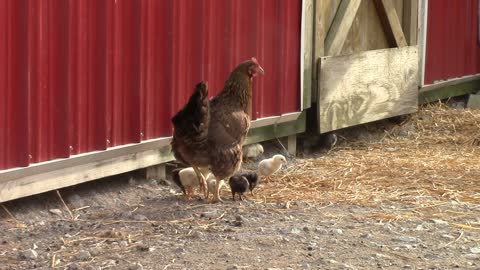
<point x="430" y="160"/>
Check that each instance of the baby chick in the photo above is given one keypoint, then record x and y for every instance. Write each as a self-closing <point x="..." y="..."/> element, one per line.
<point x="269" y="166"/>
<point x="187" y="180"/>
<point x="238" y="184"/>
<point x="211" y="182"/>
<point x="252" y="177"/>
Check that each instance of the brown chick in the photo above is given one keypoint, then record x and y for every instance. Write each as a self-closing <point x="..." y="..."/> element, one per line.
<point x="212" y="133"/>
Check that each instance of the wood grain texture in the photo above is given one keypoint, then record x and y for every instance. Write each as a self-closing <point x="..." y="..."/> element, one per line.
<point x="325" y="11"/>
<point x="323" y="16"/>
<point x="337" y="34"/>
<point x="308" y="52"/>
<point x="156" y="172"/>
<point x="366" y="32"/>
<point x="391" y="22"/>
<point x="410" y="21"/>
<point x="76" y="174"/>
<point x="399" y="8"/>
<point x="355" y="40"/>
<point x="473" y="102"/>
<point x="374" y="32"/>
<point x="292" y="144"/>
<point x="422" y="39"/>
<point x="367" y="86"/>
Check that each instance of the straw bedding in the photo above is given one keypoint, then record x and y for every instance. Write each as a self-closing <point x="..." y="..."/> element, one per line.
<point x="430" y="160"/>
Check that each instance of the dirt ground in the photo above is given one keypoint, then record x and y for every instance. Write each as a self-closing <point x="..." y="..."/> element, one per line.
<point x="387" y="196"/>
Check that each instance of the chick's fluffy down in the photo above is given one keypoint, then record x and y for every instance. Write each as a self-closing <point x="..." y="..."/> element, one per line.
<point x="271" y="165"/>
<point x="189" y="178"/>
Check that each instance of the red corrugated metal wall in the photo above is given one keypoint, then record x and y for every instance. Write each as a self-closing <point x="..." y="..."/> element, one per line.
<point x="452" y="46"/>
<point x="78" y="76"/>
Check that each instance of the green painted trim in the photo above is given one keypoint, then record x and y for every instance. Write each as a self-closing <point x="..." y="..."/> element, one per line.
<point x="449" y="91"/>
<point x="270" y="132"/>
<point x="262" y="134"/>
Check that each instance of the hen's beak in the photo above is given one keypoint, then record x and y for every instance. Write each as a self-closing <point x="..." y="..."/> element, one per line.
<point x="260" y="70"/>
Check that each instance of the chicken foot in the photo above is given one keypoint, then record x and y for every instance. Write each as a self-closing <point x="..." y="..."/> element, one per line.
<point x="189" y="193"/>
<point x="216" y="194"/>
<point x="202" y="182"/>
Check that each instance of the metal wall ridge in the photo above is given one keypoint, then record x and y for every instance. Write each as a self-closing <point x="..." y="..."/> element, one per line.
<point x="84" y="76"/>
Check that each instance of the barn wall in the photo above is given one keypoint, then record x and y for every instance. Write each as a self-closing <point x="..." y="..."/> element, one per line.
<point x="80" y="76"/>
<point x="452" y="49"/>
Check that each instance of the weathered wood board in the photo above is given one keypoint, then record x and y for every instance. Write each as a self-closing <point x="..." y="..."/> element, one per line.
<point x="474" y="102"/>
<point x="340" y="27"/>
<point x="78" y="171"/>
<point x="391" y="23"/>
<point x="368" y="86"/>
<point x="410" y="21"/>
<point x="307" y="41"/>
<point x="366" y="31"/>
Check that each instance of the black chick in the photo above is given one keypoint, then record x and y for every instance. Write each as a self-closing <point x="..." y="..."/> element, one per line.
<point x="238" y="184"/>
<point x="252" y="178"/>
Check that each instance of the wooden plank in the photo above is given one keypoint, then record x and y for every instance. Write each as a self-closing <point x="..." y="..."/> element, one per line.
<point x="391" y="22"/>
<point x="367" y="31"/>
<point x="410" y="21"/>
<point x="367" y="86"/>
<point x="325" y="11"/>
<point x="474" y="102"/>
<point x="450" y="82"/>
<point x="277" y="131"/>
<point x="308" y="21"/>
<point x="68" y="176"/>
<point x="356" y="39"/>
<point x="460" y="89"/>
<point x="292" y="144"/>
<point x="56" y="174"/>
<point x="375" y="34"/>
<point x="422" y="39"/>
<point x="323" y="17"/>
<point x="97" y="156"/>
<point x="341" y="26"/>
<point x="156" y="172"/>
<point x="398" y="4"/>
<point x="272" y="120"/>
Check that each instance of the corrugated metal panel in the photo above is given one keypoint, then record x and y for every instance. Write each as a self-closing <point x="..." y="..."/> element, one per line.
<point x="452" y="47"/>
<point x="13" y="84"/>
<point x="80" y="76"/>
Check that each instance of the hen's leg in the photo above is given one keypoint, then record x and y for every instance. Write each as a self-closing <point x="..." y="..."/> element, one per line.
<point x="216" y="195"/>
<point x="202" y="182"/>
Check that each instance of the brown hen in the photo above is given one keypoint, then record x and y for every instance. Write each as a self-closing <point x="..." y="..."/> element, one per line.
<point x="212" y="133"/>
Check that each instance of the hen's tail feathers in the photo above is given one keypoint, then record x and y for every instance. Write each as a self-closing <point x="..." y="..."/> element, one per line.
<point x="176" y="180"/>
<point x="196" y="111"/>
<point x="192" y="121"/>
